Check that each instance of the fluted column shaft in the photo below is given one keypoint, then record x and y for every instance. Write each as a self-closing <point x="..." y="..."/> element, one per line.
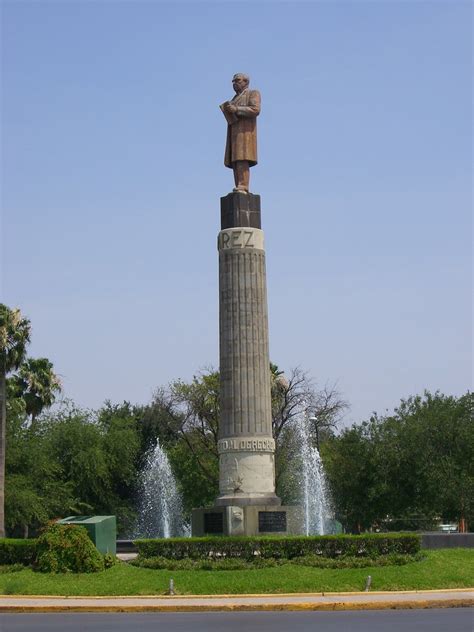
<point x="246" y="447"/>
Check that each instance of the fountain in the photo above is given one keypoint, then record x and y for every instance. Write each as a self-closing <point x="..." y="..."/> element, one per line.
<point x="160" y="511"/>
<point x="318" y="516"/>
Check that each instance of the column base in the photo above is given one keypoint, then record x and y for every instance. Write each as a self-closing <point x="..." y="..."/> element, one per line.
<point x="250" y="520"/>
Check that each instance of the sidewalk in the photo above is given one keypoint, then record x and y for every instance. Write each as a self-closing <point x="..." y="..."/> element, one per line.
<point x="307" y="601"/>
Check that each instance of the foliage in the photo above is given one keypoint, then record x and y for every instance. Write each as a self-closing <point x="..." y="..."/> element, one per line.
<point x="24" y="492"/>
<point x="16" y="551"/>
<point x="279" y="547"/>
<point x="67" y="549"/>
<point x="35" y="489"/>
<point x="70" y="462"/>
<point x="14" y="338"/>
<point x="211" y="564"/>
<point x="415" y="466"/>
<point x="193" y="418"/>
<point x="238" y="564"/>
<point x="37" y="384"/>
<point x="297" y="395"/>
<point x="110" y="560"/>
<point x="348" y="561"/>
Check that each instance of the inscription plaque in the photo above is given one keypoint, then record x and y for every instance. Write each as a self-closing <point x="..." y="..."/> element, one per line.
<point x="272" y="521"/>
<point x="214" y="522"/>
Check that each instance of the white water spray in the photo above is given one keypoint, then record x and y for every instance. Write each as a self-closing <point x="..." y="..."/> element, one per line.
<point x="314" y="490"/>
<point x="160" y="511"/>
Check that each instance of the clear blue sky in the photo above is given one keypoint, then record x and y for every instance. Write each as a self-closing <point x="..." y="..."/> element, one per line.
<point x="113" y="168"/>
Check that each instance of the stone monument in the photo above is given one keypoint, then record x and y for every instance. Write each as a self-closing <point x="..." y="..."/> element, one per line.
<point x="247" y="503"/>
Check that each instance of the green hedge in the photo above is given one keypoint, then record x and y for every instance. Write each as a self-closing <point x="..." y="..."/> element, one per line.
<point x="14" y="551"/>
<point x="238" y="564"/>
<point x="283" y="547"/>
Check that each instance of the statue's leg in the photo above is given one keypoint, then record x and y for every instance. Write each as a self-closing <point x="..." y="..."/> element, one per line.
<point x="241" y="175"/>
<point x="236" y="174"/>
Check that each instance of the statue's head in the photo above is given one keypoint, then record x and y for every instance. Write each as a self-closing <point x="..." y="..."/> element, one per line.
<point x="240" y="82"/>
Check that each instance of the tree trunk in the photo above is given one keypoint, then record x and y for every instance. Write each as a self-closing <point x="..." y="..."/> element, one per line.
<point x="3" y="424"/>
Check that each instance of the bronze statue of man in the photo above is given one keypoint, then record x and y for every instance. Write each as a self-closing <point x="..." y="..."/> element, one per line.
<point x="241" y="115"/>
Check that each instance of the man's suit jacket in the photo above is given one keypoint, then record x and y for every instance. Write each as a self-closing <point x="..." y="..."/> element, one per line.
<point x="242" y="135"/>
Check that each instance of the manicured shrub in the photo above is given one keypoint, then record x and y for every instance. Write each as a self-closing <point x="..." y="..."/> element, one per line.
<point x="16" y="551"/>
<point x="67" y="549"/>
<point x="394" y="559"/>
<point x="280" y="547"/>
<point x="237" y="564"/>
<point x="223" y="564"/>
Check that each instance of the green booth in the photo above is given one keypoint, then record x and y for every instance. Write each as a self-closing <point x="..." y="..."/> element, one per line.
<point x="102" y="530"/>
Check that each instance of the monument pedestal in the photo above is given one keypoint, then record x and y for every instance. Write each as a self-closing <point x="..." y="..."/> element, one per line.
<point x="249" y="520"/>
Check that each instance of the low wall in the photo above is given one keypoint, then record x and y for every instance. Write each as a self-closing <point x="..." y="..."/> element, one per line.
<point x="447" y="540"/>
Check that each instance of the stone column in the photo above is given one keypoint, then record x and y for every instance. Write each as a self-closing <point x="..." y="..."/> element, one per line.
<point x="246" y="446"/>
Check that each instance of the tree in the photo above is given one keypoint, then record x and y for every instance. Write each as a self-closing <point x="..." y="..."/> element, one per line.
<point x="410" y="469"/>
<point x="353" y="477"/>
<point x="14" y="338"/>
<point x="37" y="384"/>
<point x="71" y="462"/>
<point x="35" y="489"/>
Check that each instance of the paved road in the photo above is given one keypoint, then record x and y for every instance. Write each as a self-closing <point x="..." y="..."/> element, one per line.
<point x="443" y="620"/>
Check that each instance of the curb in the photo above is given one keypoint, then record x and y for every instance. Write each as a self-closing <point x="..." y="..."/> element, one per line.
<point x="396" y="600"/>
<point x="381" y="605"/>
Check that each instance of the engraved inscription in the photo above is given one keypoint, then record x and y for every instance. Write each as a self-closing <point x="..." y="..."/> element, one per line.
<point x="236" y="239"/>
<point x="225" y="240"/>
<point x="249" y="239"/>
<point x="246" y="445"/>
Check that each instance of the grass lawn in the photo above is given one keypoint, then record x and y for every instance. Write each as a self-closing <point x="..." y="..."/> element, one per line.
<point x="448" y="568"/>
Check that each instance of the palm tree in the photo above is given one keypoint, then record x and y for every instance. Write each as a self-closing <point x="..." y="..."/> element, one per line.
<point x="14" y="338"/>
<point x="37" y="384"/>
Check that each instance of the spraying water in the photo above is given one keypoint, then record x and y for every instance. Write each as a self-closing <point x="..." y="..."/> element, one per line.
<point x="314" y="490"/>
<point x="160" y="512"/>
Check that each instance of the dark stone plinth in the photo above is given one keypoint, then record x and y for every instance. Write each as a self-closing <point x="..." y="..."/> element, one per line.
<point x="250" y="520"/>
<point x="240" y="210"/>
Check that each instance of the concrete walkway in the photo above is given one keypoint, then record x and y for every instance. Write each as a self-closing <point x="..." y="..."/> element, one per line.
<point x="304" y="601"/>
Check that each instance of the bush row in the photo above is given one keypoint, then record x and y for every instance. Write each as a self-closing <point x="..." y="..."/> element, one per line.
<point x="237" y="564"/>
<point x="14" y="551"/>
<point x="283" y="547"/>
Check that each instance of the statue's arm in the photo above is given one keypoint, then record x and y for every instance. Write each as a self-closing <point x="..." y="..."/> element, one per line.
<point x="253" y="108"/>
